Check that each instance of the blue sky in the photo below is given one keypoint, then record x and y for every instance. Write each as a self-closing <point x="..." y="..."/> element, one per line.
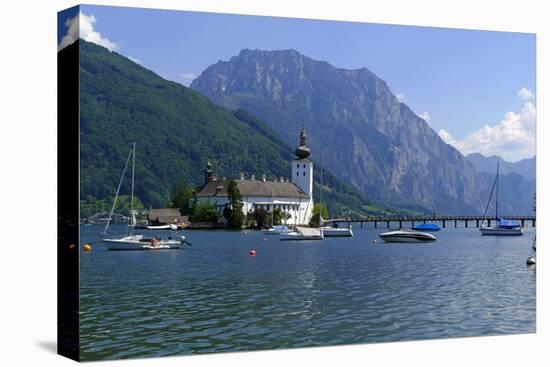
<point x="476" y="88"/>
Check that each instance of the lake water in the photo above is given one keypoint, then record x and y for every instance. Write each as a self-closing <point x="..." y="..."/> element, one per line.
<point x="213" y="297"/>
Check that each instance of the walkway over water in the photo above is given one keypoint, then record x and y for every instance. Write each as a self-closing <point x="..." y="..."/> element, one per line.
<point x="444" y="220"/>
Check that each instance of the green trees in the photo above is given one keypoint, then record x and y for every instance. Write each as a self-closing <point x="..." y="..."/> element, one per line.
<point x="203" y="211"/>
<point x="318" y="210"/>
<point x="180" y="197"/>
<point x="234" y="212"/>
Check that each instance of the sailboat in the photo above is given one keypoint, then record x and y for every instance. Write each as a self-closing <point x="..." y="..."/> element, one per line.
<point x="329" y="231"/>
<point x="504" y="227"/>
<point x="135" y="241"/>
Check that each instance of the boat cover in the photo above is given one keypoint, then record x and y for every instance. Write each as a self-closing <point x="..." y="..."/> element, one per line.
<point x="506" y="223"/>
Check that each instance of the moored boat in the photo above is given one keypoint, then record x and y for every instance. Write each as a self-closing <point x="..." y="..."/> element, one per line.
<point x="427" y="227"/>
<point x="140" y="242"/>
<point x="276" y="230"/>
<point x="301" y="234"/>
<point x="406" y="235"/>
<point x="336" y="232"/>
<point x="136" y="241"/>
<point x="504" y="227"/>
<point x="172" y="227"/>
<point x="502" y="230"/>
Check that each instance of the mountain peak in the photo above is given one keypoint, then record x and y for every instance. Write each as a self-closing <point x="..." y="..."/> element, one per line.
<point x="370" y="139"/>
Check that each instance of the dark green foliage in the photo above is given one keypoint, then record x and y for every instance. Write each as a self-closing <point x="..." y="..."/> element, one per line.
<point x="91" y="206"/>
<point x="261" y="217"/>
<point x="278" y="215"/>
<point x="203" y="211"/>
<point x="181" y="196"/>
<point x="235" y="217"/>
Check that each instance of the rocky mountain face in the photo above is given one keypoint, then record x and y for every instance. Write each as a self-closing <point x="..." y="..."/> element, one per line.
<point x="525" y="167"/>
<point x="367" y="136"/>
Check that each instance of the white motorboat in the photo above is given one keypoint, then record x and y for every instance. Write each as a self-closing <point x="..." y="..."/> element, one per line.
<point x="140" y="242"/>
<point x="336" y="232"/>
<point x="276" y="230"/>
<point x="504" y="227"/>
<point x="407" y="235"/>
<point x="301" y="234"/>
<point x="172" y="227"/>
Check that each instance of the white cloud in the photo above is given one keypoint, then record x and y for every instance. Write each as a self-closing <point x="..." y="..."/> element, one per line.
<point x="134" y="60"/>
<point x="425" y="116"/>
<point x="82" y="26"/>
<point x="187" y="78"/>
<point x="400" y="96"/>
<point x="513" y="138"/>
<point x="525" y="94"/>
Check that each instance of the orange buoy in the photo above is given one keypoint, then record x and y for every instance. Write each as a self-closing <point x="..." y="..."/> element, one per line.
<point x="252" y="252"/>
<point x="72" y="247"/>
<point x="87" y="247"/>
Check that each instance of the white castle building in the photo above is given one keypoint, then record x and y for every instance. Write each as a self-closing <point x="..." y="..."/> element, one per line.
<point x="294" y="197"/>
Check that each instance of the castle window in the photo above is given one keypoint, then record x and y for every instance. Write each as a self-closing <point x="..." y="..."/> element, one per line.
<point x="304" y="173"/>
<point x="304" y="166"/>
<point x="297" y="166"/>
<point x="297" y="173"/>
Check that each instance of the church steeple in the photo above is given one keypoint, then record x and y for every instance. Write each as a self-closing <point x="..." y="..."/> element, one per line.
<point x="302" y="152"/>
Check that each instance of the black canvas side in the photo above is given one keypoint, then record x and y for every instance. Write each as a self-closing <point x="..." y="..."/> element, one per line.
<point x="68" y="343"/>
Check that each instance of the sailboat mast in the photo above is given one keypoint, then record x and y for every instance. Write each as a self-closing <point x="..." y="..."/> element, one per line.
<point x="117" y="191"/>
<point x="321" y="188"/>
<point x="496" y="206"/>
<point x="132" y="194"/>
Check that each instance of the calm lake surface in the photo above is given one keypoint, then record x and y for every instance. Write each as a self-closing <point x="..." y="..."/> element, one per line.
<point x="213" y="297"/>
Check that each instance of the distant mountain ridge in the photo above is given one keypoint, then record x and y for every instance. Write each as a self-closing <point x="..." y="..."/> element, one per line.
<point x="370" y="139"/>
<point x="525" y="167"/>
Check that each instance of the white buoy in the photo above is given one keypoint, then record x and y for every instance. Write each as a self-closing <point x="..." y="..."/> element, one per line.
<point x="531" y="260"/>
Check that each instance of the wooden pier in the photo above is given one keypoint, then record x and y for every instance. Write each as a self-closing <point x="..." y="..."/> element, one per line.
<point x="444" y="220"/>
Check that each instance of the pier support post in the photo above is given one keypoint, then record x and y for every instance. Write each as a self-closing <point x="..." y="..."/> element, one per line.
<point x="375" y="224"/>
<point x="489" y="222"/>
<point x="477" y="223"/>
<point x="412" y="223"/>
<point x="523" y="222"/>
<point x="443" y="223"/>
<point x="533" y="223"/>
<point x="400" y="224"/>
<point x="466" y="223"/>
<point x="388" y="224"/>
<point x="455" y="223"/>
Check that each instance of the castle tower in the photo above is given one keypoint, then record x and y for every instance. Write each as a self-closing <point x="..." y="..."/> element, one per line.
<point x="302" y="168"/>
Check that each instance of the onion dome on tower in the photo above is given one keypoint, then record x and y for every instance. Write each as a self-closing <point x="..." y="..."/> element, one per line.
<point x="302" y="152"/>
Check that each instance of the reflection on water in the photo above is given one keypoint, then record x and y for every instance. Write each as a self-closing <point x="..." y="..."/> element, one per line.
<point x="213" y="297"/>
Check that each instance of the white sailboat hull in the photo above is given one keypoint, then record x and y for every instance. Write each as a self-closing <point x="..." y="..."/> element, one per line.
<point x="497" y="231"/>
<point x="337" y="232"/>
<point x="139" y="243"/>
<point x="302" y="234"/>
